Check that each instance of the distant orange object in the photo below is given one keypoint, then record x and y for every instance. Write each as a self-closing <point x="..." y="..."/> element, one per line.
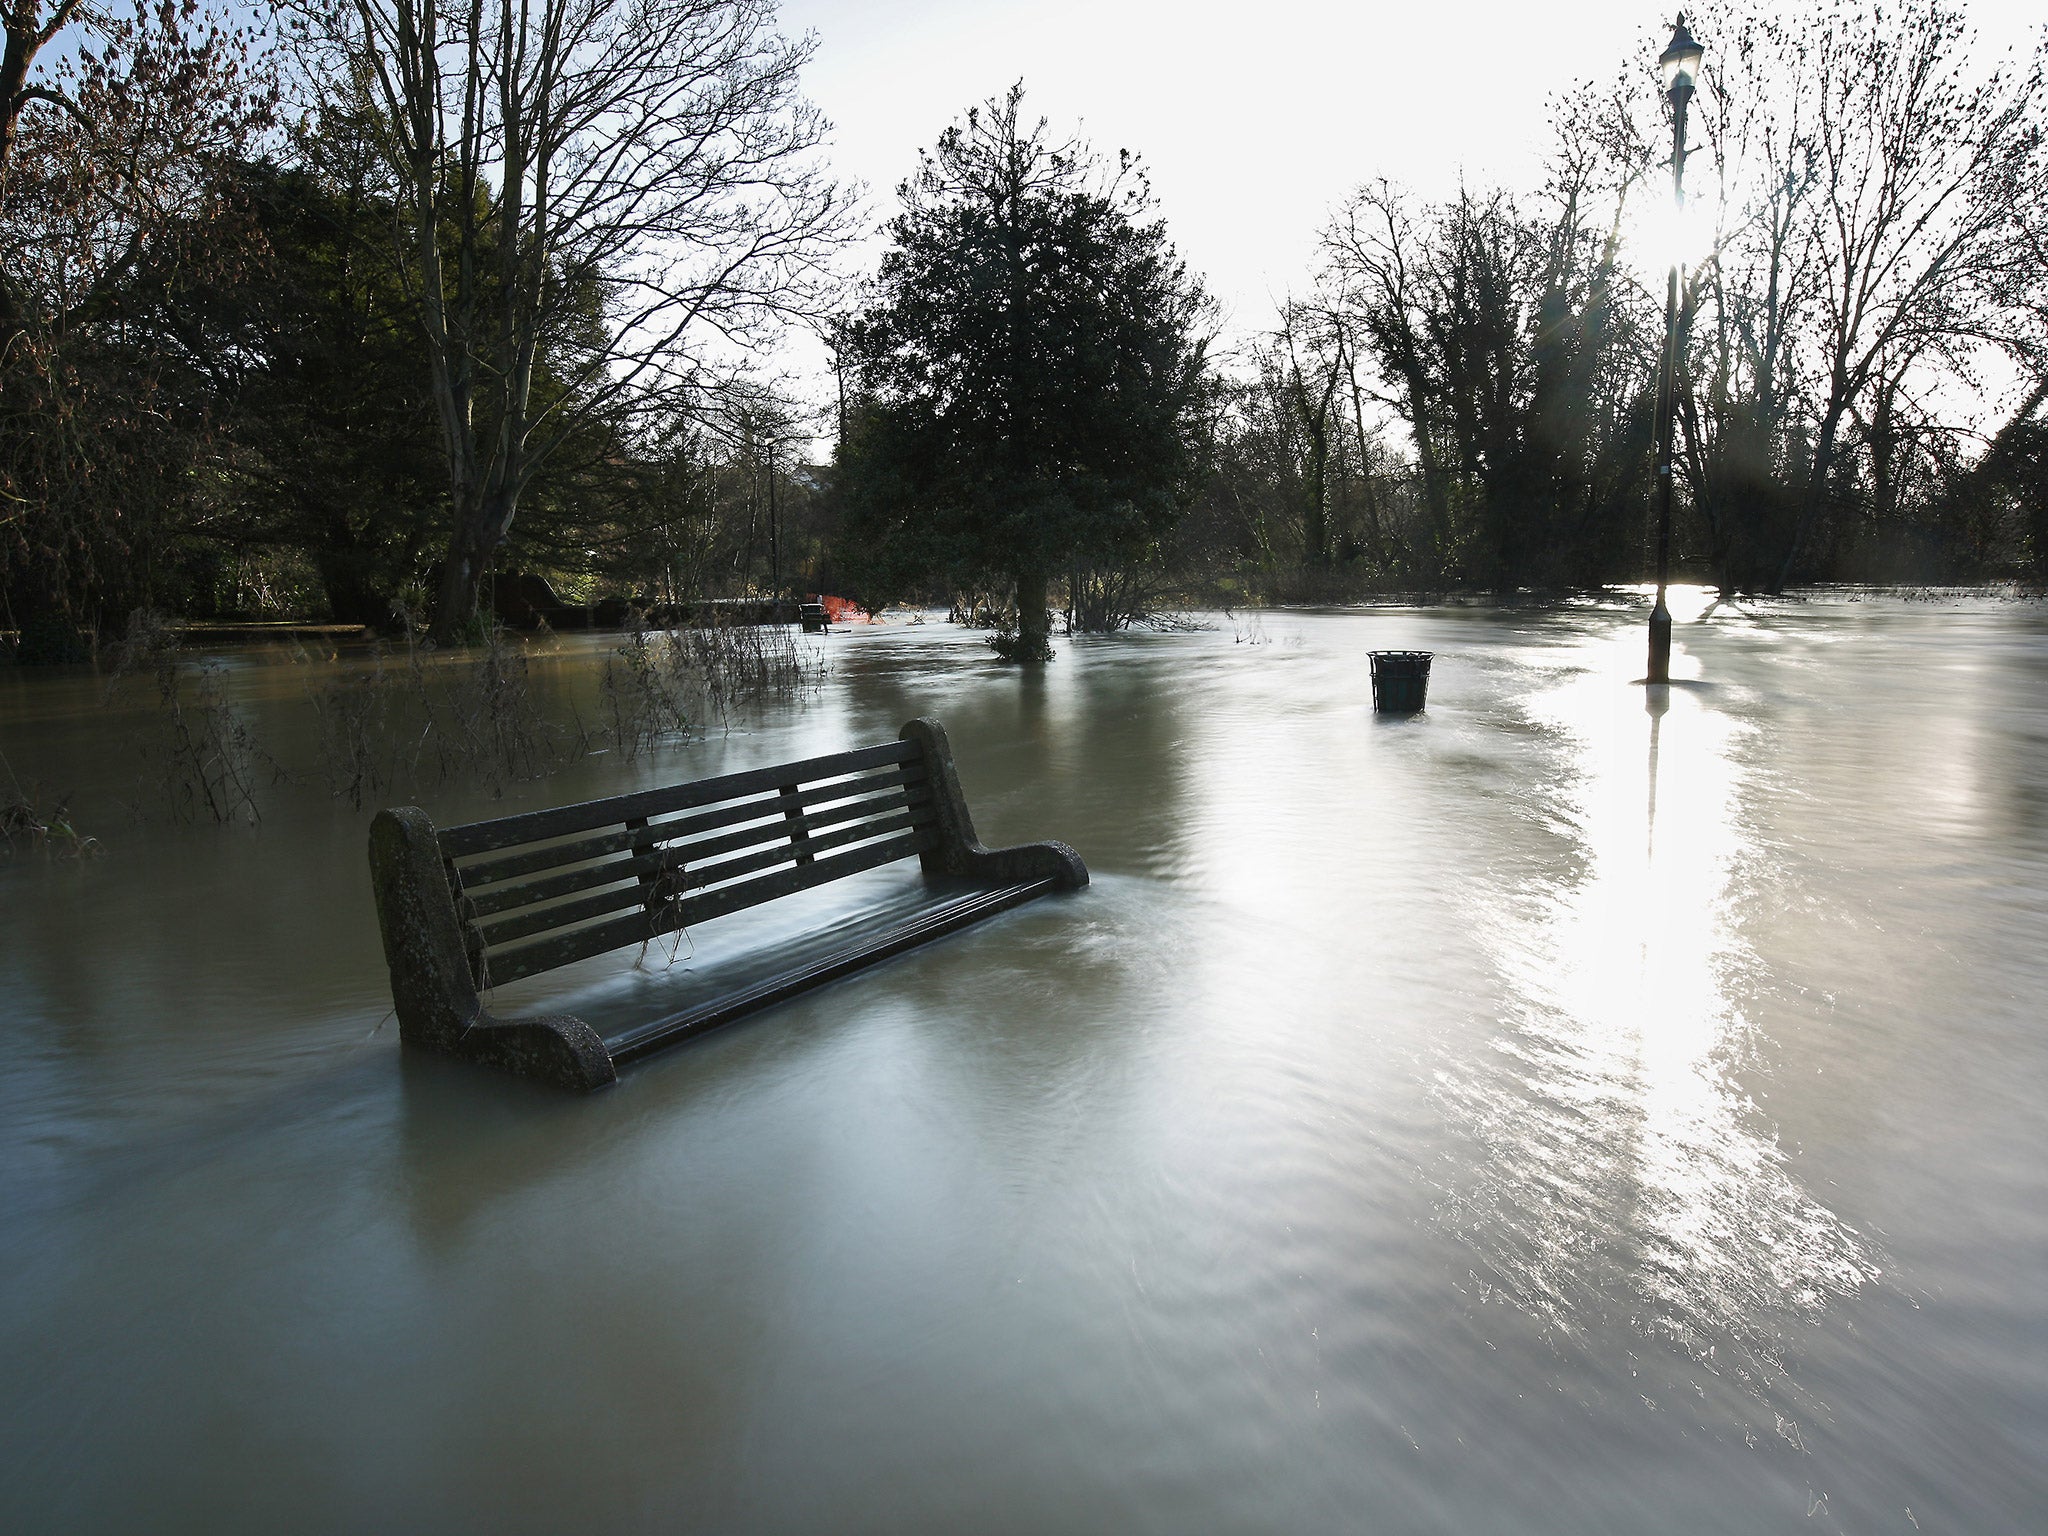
<point x="844" y="610"/>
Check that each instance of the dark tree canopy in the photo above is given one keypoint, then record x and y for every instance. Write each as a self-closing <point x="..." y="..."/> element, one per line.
<point x="1029" y="383"/>
<point x="120" y="127"/>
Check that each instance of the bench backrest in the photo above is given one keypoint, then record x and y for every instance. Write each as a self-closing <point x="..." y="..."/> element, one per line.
<point x="550" y="887"/>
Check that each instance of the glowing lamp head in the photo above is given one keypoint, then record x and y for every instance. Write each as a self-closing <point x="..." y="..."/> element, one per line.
<point x="1681" y="61"/>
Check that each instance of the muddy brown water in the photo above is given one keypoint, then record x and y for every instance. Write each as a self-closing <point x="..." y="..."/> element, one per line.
<point x="1565" y="1110"/>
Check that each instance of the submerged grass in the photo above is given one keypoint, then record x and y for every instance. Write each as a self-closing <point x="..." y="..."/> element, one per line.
<point x="202" y="758"/>
<point x="413" y="716"/>
<point x="658" y="688"/>
<point x="646" y="694"/>
<point x="736" y="664"/>
<point x="27" y="825"/>
<point x="423" y="716"/>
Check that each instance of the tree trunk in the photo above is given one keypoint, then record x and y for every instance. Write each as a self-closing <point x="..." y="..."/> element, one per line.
<point x="478" y="533"/>
<point x="456" y="600"/>
<point x="47" y="631"/>
<point x="1816" y="487"/>
<point x="1434" y="495"/>
<point x="1372" y="505"/>
<point x="1315" y="511"/>
<point x="348" y="575"/>
<point x="1034" y="622"/>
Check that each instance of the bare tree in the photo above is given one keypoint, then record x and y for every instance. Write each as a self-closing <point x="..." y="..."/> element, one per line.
<point x="114" y="153"/>
<point x="1311" y="397"/>
<point x="1919" y="170"/>
<point x="1502" y="337"/>
<point x="595" y="193"/>
<point x="1877" y="245"/>
<point x="120" y="129"/>
<point x="1377" y="265"/>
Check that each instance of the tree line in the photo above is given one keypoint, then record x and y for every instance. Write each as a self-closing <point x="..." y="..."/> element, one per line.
<point x="359" y="312"/>
<point x="1464" y="394"/>
<point x="363" y="312"/>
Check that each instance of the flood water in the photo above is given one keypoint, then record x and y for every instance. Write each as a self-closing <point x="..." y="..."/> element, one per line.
<point x="1575" y="1108"/>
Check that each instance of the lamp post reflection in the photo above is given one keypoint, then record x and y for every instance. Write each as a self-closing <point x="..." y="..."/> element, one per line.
<point x="1658" y="703"/>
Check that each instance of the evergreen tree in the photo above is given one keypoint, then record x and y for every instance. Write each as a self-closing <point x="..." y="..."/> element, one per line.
<point x="1029" y="384"/>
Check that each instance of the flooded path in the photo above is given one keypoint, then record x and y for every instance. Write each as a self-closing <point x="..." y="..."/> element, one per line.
<point x="1566" y="1110"/>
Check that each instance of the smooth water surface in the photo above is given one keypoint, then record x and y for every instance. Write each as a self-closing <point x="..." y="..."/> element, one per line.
<point x="1575" y="1108"/>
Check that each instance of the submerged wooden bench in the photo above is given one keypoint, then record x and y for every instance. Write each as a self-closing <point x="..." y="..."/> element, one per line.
<point x="465" y="908"/>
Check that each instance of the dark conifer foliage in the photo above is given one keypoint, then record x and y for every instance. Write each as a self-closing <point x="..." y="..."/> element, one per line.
<point x="338" y="454"/>
<point x="1029" y="380"/>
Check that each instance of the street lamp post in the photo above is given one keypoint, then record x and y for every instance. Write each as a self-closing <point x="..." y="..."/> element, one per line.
<point x="1679" y="63"/>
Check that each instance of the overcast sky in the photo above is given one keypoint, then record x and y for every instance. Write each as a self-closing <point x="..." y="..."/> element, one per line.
<point x="1255" y="117"/>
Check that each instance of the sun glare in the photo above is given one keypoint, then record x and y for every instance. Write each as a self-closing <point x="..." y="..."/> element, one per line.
<point x="1657" y="234"/>
<point x="1688" y="602"/>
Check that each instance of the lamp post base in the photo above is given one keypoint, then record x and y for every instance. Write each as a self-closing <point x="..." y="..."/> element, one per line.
<point x="1660" y="642"/>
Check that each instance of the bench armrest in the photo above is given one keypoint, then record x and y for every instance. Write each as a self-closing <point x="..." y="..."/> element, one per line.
<point x="959" y="852"/>
<point x="432" y="990"/>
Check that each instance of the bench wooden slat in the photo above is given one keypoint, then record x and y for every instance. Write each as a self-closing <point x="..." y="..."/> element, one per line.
<point x="494" y="899"/>
<point x="932" y="923"/>
<point x="582" y="943"/>
<point x="535" y="860"/>
<point x="911" y="799"/>
<point x="719" y="872"/>
<point x="531" y="827"/>
<point x="534" y="920"/>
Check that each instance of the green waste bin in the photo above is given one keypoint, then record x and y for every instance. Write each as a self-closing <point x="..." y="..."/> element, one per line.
<point x="1400" y="681"/>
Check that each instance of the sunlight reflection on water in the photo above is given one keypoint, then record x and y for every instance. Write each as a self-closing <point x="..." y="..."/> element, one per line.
<point x="1625" y="1170"/>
